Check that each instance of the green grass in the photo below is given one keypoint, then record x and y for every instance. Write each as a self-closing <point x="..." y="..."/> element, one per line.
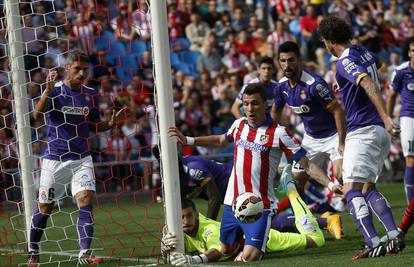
<point x="130" y="230"/>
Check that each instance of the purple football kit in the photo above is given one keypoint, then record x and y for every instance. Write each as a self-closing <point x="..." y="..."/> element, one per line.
<point x="367" y="143"/>
<point x="311" y="98"/>
<point x="403" y="84"/>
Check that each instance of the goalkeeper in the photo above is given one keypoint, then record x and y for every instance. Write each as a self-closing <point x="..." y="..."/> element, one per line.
<point x="201" y="235"/>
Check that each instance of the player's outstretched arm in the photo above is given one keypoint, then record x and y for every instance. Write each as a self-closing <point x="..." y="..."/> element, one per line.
<point x="40" y="107"/>
<point x="209" y="140"/>
<point x="374" y="93"/>
<point x="319" y="175"/>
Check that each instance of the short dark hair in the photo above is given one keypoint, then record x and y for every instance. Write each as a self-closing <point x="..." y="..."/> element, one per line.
<point x="77" y="56"/>
<point x="267" y="60"/>
<point x="187" y="203"/>
<point x="289" y="46"/>
<point x="255" y="88"/>
<point x="335" y="30"/>
<point x="410" y="41"/>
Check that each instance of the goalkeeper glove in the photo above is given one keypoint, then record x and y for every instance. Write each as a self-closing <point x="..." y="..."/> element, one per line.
<point x="168" y="243"/>
<point x="179" y="259"/>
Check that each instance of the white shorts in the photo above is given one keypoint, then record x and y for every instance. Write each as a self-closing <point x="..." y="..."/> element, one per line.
<point x="319" y="150"/>
<point x="56" y="175"/>
<point x="407" y="135"/>
<point x="365" y="151"/>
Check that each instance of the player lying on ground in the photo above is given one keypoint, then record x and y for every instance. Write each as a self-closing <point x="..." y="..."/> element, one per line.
<point x="367" y="141"/>
<point x="72" y="111"/>
<point x="201" y="235"/>
<point x="208" y="179"/>
<point x="258" y="145"/>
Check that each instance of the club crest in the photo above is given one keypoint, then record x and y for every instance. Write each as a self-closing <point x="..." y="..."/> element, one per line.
<point x="264" y="139"/>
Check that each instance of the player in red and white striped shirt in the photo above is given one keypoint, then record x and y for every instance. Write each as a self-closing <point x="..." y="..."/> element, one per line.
<point x="258" y="146"/>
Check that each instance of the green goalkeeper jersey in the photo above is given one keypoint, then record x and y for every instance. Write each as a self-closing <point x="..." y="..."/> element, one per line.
<point x="207" y="237"/>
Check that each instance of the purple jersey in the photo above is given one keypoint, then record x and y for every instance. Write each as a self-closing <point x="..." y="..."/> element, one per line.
<point x="354" y="64"/>
<point x="67" y="117"/>
<point x="403" y="83"/>
<point x="309" y="98"/>
<point x="199" y="168"/>
<point x="269" y="88"/>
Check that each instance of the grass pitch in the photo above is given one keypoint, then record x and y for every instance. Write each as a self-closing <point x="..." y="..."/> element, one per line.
<point x="127" y="234"/>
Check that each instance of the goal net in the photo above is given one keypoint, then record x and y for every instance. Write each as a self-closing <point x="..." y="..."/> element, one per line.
<point x="128" y="217"/>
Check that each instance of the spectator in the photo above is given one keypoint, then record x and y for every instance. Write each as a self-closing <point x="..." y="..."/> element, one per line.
<point x="212" y="15"/>
<point x="210" y="59"/>
<point x="279" y="36"/>
<point x="222" y="27"/>
<point x="123" y="25"/>
<point x="308" y="24"/>
<point x="239" y="21"/>
<point x="141" y="20"/>
<point x="234" y="61"/>
<point x="196" y="32"/>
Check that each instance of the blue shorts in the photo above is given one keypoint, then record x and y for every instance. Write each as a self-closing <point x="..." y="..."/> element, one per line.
<point x="256" y="234"/>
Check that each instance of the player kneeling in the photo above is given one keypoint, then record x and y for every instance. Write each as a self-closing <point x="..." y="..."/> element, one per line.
<point x="201" y="235"/>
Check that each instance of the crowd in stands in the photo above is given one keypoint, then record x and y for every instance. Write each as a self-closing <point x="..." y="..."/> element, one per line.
<point x="215" y="48"/>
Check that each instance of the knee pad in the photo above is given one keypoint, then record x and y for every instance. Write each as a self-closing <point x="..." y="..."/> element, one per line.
<point x="360" y="207"/>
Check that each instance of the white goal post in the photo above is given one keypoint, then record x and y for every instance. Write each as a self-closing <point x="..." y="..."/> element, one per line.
<point x="162" y="65"/>
<point x="21" y="107"/>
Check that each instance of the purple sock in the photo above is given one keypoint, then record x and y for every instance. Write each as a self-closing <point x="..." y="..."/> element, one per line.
<point x="409" y="183"/>
<point x="85" y="226"/>
<point x="380" y="207"/>
<point x="322" y="222"/>
<point x="284" y="223"/>
<point x="359" y="210"/>
<point x="39" y="221"/>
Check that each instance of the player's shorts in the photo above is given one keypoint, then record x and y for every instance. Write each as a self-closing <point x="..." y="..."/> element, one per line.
<point x="256" y="234"/>
<point x="319" y="150"/>
<point x="56" y="176"/>
<point x="407" y="135"/>
<point x="365" y="151"/>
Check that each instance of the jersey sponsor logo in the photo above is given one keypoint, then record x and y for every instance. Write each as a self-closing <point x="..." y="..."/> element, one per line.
<point x="264" y="139"/>
<point x="410" y="86"/>
<point x="251" y="146"/>
<point x="349" y="66"/>
<point x="301" y="109"/>
<point x="82" y="111"/>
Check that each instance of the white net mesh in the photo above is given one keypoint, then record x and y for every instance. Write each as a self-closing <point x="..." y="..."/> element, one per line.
<point x="127" y="219"/>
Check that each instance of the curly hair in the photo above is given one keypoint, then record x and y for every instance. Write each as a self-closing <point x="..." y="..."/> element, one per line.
<point x="335" y="30"/>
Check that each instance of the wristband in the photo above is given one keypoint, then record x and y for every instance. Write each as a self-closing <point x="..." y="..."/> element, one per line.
<point x="190" y="140"/>
<point x="197" y="259"/>
<point x="331" y="186"/>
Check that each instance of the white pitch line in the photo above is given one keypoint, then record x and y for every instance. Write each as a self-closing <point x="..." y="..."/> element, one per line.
<point x="147" y="261"/>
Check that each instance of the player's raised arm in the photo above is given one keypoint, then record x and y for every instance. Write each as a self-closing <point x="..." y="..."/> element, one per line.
<point x="40" y="107"/>
<point x="209" y="140"/>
